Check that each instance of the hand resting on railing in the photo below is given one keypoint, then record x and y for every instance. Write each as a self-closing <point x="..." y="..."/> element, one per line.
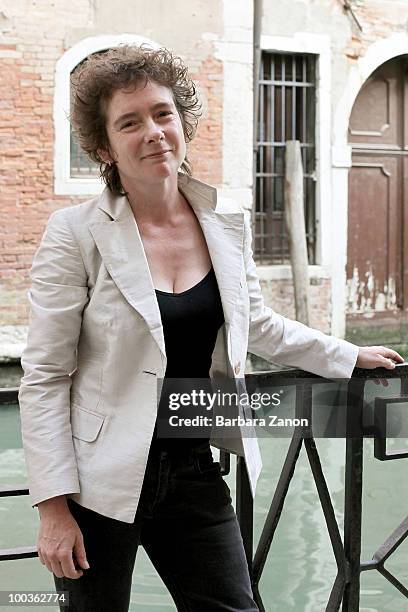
<point x="370" y="357"/>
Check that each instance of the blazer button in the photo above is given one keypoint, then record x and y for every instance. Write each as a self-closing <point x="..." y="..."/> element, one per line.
<point x="237" y="367"/>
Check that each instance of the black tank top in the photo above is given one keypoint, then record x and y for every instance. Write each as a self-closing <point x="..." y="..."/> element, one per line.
<point x="191" y="320"/>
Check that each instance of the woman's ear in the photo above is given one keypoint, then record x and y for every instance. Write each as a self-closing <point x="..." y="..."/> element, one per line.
<point x="105" y="156"/>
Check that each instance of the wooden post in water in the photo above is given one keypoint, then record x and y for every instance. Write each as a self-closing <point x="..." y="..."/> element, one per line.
<point x="296" y="228"/>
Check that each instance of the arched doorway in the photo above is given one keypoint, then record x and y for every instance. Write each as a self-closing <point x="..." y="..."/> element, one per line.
<point x="377" y="246"/>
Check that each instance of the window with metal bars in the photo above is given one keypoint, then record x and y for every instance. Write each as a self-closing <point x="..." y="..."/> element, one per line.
<point x="80" y="164"/>
<point x="286" y="111"/>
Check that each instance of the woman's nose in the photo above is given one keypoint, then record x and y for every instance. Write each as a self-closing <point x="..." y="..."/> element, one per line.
<point x="153" y="132"/>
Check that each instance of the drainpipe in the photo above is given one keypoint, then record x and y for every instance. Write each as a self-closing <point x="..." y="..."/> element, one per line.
<point x="257" y="27"/>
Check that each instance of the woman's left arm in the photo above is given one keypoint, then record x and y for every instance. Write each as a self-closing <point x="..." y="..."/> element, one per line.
<point x="277" y="338"/>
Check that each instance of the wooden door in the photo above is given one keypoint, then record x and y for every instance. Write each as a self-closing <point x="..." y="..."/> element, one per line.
<point x="377" y="296"/>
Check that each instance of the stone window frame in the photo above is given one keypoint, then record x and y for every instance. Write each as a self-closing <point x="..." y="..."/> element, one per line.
<point x="64" y="184"/>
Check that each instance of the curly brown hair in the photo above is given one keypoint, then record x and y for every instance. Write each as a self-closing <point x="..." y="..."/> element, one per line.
<point x="94" y="81"/>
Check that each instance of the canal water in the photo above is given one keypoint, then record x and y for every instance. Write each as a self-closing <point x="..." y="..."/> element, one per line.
<point x="301" y="567"/>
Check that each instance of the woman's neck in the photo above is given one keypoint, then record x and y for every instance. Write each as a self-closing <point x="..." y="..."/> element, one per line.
<point x="155" y="203"/>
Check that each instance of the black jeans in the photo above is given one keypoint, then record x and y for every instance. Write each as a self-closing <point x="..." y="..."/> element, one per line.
<point x="188" y="527"/>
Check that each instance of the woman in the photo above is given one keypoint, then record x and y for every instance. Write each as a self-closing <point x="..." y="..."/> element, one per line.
<point x="153" y="278"/>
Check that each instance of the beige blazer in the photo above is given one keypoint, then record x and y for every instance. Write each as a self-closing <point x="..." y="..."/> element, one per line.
<point x="95" y="347"/>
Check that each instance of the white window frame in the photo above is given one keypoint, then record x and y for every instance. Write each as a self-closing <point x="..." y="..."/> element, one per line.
<point x="64" y="184"/>
<point x="319" y="45"/>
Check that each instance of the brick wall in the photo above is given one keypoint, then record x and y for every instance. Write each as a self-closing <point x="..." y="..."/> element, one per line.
<point x="378" y="20"/>
<point x="205" y="152"/>
<point x="26" y="196"/>
<point x="280" y="296"/>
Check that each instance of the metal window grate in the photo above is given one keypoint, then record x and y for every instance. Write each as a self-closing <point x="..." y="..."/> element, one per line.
<point x="286" y="111"/>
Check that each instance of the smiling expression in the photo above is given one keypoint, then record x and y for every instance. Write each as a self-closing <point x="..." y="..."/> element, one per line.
<point x="145" y="134"/>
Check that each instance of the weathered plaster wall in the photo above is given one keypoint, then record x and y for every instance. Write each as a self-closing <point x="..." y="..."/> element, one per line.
<point x="355" y="42"/>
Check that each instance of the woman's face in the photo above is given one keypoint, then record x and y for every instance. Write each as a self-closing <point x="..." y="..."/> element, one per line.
<point x="145" y="134"/>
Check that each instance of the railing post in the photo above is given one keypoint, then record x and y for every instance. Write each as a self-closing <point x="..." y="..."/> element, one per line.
<point x="353" y="493"/>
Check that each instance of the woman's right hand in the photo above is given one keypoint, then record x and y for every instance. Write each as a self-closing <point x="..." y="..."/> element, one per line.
<point x="60" y="539"/>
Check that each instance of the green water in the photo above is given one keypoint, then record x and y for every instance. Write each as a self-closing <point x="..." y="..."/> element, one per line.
<point x="300" y="569"/>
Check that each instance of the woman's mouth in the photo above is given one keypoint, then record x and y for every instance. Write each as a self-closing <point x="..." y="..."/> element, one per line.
<point x="160" y="154"/>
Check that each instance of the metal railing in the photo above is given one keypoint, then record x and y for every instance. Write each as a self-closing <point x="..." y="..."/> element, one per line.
<point x="9" y="395"/>
<point x="345" y="592"/>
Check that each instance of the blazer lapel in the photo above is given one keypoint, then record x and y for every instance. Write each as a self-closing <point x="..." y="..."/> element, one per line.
<point x="119" y="243"/>
<point x="224" y="235"/>
<point x="121" y="248"/>
<point x="225" y="244"/>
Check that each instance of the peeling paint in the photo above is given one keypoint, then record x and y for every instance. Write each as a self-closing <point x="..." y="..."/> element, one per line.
<point x="364" y="296"/>
<point x="380" y="302"/>
<point x="391" y="294"/>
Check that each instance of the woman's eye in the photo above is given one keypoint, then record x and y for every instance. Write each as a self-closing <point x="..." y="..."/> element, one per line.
<point x="164" y="113"/>
<point x="129" y="124"/>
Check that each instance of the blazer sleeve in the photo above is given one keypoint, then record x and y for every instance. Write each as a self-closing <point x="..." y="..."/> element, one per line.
<point x="57" y="297"/>
<point x="277" y="338"/>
